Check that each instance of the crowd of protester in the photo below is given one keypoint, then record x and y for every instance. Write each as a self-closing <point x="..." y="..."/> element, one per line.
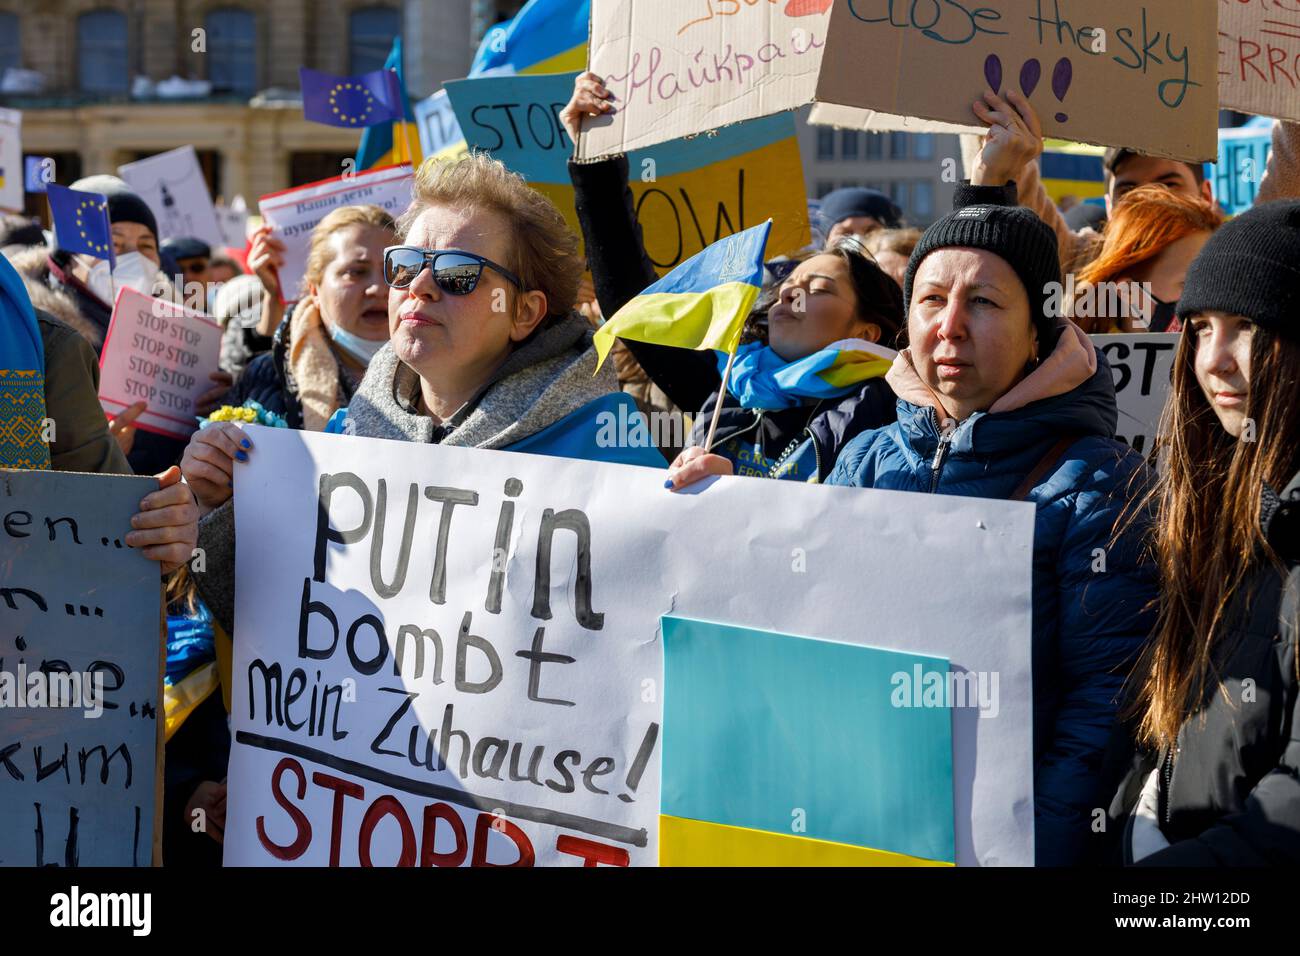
<point x="959" y="376"/>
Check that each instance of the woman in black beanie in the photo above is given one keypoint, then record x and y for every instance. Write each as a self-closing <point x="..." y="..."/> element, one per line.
<point x="1216" y="776"/>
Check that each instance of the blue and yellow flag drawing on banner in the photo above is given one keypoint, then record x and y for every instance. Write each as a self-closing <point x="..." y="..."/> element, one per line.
<point x="702" y="304"/>
<point x="546" y="36"/>
<point x="381" y="145"/>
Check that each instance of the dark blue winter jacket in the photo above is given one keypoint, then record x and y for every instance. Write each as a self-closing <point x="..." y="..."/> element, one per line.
<point x="1091" y="597"/>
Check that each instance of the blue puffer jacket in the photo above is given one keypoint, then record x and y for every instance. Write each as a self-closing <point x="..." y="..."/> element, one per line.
<point x="1091" y="597"/>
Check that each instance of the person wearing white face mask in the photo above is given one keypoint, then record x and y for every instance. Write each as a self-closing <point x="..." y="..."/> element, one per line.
<point x="92" y="288"/>
<point x="322" y="346"/>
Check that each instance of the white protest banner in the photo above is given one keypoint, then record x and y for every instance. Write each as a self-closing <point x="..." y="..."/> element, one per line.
<point x="172" y="184"/>
<point x="293" y="213"/>
<point x="1259" y="57"/>
<point x="159" y="353"/>
<point x="1142" y="365"/>
<point x="678" y="67"/>
<point x="12" y="173"/>
<point x="81" y="663"/>
<point x="437" y="123"/>
<point x="477" y="677"/>
<point x="1074" y="60"/>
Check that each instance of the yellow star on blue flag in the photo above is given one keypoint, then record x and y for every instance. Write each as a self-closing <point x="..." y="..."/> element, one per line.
<point x="349" y="101"/>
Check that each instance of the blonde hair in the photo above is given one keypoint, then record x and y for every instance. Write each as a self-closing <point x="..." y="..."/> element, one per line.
<point x="319" y="253"/>
<point x="545" y="251"/>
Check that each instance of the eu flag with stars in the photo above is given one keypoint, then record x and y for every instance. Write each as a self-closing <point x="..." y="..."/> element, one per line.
<point x="81" y="222"/>
<point x="350" y="101"/>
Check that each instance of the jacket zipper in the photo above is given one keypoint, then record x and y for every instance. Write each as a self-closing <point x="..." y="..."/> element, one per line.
<point x="1169" y="781"/>
<point x="941" y="451"/>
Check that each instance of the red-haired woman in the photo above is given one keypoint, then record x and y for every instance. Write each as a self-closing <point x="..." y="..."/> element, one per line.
<point x="1134" y="283"/>
<point x="1217" y="777"/>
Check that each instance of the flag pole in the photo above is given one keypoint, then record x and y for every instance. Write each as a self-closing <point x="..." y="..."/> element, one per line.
<point x="722" y="395"/>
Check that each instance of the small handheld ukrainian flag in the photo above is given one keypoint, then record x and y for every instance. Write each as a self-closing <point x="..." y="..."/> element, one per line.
<point x="81" y="222"/>
<point x="702" y="304"/>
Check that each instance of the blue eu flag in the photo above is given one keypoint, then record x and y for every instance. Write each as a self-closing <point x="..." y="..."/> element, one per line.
<point x="350" y="101"/>
<point x="81" y="222"/>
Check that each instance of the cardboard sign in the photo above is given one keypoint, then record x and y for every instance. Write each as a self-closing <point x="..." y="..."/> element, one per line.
<point x="81" y="657"/>
<point x="678" y="67"/>
<point x="689" y="193"/>
<point x="159" y="353"/>
<point x="1075" y="61"/>
<point x="1142" y="365"/>
<point x="1259" y="57"/>
<point x="1243" y="157"/>
<point x="12" y="171"/>
<point x="172" y="184"/>
<point x="450" y="656"/>
<point x="293" y="213"/>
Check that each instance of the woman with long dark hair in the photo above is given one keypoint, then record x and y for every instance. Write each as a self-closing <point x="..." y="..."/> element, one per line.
<point x="1216" y="780"/>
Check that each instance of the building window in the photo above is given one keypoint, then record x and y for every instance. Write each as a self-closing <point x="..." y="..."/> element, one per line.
<point x="823" y="187"/>
<point x="898" y="145"/>
<point x="825" y="143"/>
<point x="313" y="167"/>
<point x="849" y="139"/>
<point x="898" y="193"/>
<point x="923" y="199"/>
<point x="875" y="146"/>
<point x="10" y="50"/>
<point x="102" y="65"/>
<point x="923" y="146"/>
<point x="232" y="51"/>
<point x="370" y="37"/>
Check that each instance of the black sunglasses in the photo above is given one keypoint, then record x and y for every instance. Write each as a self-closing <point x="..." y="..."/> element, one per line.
<point x="456" y="272"/>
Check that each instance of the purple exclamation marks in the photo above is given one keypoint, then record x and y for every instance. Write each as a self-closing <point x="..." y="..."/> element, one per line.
<point x="1030" y="74"/>
<point x="1062" y="76"/>
<point x="993" y="72"/>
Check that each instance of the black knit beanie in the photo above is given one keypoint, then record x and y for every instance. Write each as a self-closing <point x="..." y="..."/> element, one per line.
<point x="1250" y="267"/>
<point x="1015" y="234"/>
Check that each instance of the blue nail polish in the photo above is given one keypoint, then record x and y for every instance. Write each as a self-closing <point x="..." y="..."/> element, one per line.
<point x="242" y="455"/>
<point x="668" y="483"/>
<point x="246" y="443"/>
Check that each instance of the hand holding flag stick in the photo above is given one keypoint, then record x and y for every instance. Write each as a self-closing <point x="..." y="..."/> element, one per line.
<point x="701" y="304"/>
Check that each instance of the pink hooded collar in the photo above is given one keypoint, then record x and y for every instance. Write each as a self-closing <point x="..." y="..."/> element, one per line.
<point x="1073" y="361"/>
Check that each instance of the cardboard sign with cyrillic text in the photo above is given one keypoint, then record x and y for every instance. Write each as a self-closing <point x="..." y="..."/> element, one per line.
<point x="292" y="214"/>
<point x="678" y="67"/>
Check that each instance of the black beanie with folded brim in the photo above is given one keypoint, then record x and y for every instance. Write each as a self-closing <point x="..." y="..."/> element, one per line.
<point x="1013" y="233"/>
<point x="1250" y="267"/>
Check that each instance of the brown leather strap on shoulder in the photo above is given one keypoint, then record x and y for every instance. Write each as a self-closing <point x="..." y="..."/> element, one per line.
<point x="1045" y="464"/>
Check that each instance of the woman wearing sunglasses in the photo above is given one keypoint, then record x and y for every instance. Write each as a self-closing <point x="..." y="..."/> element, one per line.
<point x="486" y="349"/>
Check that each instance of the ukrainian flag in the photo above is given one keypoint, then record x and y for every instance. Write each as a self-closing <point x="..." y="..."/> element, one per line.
<point x="702" y="304"/>
<point x="381" y="145"/>
<point x="546" y="36"/>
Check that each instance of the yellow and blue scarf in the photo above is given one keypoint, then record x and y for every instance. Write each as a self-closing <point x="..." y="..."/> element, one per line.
<point x="761" y="379"/>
